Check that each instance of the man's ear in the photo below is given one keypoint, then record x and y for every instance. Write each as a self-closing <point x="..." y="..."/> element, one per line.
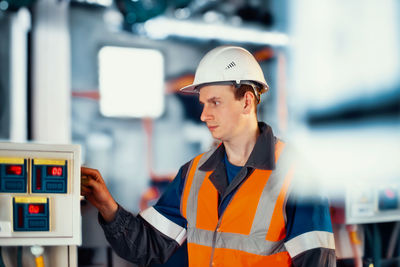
<point x="248" y="101"/>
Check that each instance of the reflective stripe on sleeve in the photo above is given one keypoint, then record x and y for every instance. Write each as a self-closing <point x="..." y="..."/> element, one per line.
<point x="164" y="225"/>
<point x="309" y="240"/>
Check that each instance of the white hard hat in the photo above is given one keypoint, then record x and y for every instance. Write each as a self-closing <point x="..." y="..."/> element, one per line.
<point x="228" y="64"/>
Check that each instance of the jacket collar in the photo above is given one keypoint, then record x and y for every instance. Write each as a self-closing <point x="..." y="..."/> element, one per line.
<point x="262" y="157"/>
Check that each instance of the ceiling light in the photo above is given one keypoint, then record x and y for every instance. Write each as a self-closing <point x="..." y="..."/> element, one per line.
<point x="162" y="27"/>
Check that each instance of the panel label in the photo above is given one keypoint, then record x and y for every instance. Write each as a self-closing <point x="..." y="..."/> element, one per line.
<point x="11" y="160"/>
<point x="49" y="162"/>
<point x="30" y="199"/>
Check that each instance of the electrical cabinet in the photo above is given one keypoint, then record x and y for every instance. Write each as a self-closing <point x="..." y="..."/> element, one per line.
<point x="39" y="194"/>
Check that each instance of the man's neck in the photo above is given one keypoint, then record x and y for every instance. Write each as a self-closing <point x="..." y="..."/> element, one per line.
<point x="239" y="148"/>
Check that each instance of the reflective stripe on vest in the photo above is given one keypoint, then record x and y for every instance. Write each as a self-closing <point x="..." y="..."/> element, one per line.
<point x="251" y="230"/>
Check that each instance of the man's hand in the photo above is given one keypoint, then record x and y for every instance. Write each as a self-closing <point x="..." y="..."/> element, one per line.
<point x="96" y="192"/>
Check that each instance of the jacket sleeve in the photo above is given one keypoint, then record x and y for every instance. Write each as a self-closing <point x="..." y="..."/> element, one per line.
<point x="309" y="235"/>
<point x="153" y="235"/>
<point x="315" y="257"/>
<point x="135" y="240"/>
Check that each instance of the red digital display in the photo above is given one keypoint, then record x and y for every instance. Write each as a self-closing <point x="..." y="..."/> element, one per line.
<point x="36" y="208"/>
<point x="14" y="169"/>
<point x="390" y="193"/>
<point x="54" y="171"/>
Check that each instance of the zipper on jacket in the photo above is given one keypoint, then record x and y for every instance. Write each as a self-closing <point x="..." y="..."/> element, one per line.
<point x="216" y="231"/>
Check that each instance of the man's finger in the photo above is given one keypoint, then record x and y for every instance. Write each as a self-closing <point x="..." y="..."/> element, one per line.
<point x="90" y="183"/>
<point x="86" y="191"/>
<point x="85" y="179"/>
<point x="91" y="173"/>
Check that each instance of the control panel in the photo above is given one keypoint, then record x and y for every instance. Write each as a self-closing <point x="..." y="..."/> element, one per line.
<point x="49" y="176"/>
<point x="369" y="202"/>
<point x="39" y="194"/>
<point x="31" y="214"/>
<point x="13" y="175"/>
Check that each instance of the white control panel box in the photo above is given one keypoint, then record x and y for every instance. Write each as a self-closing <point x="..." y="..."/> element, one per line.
<point x="368" y="202"/>
<point x="40" y="194"/>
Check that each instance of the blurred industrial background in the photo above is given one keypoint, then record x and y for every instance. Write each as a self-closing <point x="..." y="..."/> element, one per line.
<point x="106" y="75"/>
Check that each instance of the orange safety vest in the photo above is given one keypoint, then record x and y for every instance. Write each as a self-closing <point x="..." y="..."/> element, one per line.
<point x="251" y="230"/>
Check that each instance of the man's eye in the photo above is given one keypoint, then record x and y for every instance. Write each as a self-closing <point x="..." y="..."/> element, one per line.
<point x="216" y="102"/>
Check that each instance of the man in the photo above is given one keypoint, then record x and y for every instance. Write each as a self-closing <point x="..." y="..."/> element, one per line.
<point x="234" y="203"/>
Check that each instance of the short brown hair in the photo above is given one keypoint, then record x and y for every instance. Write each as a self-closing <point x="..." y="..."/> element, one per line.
<point x="242" y="89"/>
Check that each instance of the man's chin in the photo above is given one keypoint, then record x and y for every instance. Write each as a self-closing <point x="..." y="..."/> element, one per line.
<point x="216" y="136"/>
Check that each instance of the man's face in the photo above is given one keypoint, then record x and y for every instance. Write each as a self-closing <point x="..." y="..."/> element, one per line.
<point x="221" y="111"/>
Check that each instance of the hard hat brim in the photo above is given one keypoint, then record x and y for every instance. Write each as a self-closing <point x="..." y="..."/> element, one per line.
<point x="194" y="88"/>
<point x="190" y="89"/>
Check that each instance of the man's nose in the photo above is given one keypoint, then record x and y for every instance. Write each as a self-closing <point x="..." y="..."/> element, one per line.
<point x="204" y="114"/>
